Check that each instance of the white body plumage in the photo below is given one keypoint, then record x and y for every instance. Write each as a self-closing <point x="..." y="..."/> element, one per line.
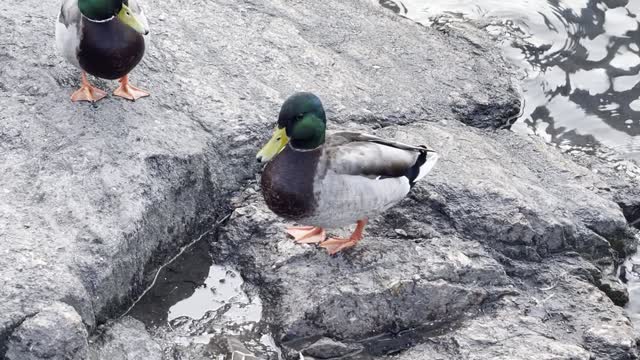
<point x="347" y="185"/>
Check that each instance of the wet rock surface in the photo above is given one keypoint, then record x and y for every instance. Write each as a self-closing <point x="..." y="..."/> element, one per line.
<point x="502" y="252"/>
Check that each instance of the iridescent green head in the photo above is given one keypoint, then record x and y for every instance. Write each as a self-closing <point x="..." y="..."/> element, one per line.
<point x="103" y="10"/>
<point x="302" y="122"/>
<point x="100" y="10"/>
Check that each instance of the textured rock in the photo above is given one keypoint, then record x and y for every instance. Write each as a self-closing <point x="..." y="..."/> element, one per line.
<point x="621" y="179"/>
<point x="94" y="197"/>
<point x="504" y="252"/>
<point x="550" y="320"/>
<point x="611" y="341"/>
<point x="55" y="333"/>
<point x="126" y="340"/>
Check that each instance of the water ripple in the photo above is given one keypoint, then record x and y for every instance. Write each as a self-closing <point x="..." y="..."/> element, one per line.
<point x="581" y="59"/>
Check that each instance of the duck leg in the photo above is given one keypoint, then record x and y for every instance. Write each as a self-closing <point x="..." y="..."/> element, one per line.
<point x="87" y="92"/>
<point x="128" y="91"/>
<point x="307" y="234"/>
<point x="335" y="245"/>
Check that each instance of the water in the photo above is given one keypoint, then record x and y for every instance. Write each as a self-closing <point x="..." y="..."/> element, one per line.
<point x="176" y="282"/>
<point x="196" y="306"/>
<point x="580" y="61"/>
<point x="222" y="286"/>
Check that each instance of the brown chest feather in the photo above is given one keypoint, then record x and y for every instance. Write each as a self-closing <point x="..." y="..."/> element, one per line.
<point x="110" y="50"/>
<point x="287" y="183"/>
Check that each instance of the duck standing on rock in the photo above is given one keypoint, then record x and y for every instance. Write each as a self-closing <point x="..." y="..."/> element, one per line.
<point x="103" y="38"/>
<point x="333" y="181"/>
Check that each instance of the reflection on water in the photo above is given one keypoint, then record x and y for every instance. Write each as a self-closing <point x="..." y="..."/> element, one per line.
<point x="176" y="282"/>
<point x="193" y="286"/>
<point x="197" y="308"/>
<point x="223" y="286"/>
<point x="581" y="59"/>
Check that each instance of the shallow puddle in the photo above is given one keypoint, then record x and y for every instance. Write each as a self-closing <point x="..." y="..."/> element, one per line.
<point x="176" y="282"/>
<point x="196" y="306"/>
<point x="222" y="286"/>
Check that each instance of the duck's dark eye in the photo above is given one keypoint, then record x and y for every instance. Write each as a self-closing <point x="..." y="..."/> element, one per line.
<point x="300" y="116"/>
<point x="278" y="139"/>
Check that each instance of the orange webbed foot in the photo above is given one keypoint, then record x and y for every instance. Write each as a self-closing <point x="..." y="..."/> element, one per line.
<point x="335" y="245"/>
<point x="87" y="92"/>
<point x="128" y="91"/>
<point x="307" y="234"/>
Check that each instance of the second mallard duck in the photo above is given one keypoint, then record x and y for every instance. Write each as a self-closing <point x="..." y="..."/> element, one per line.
<point x="332" y="181"/>
<point x="103" y="38"/>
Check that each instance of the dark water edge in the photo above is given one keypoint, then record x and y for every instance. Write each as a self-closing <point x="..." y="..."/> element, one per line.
<point x="176" y="282"/>
<point x="581" y="62"/>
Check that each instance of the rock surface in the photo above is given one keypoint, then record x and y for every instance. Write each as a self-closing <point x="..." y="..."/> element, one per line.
<point x="127" y="340"/>
<point x="95" y="197"/>
<point x="56" y="332"/>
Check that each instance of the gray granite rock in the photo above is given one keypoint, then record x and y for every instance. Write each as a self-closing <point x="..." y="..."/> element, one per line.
<point x="504" y="252"/>
<point x="611" y="341"/>
<point x="127" y="339"/>
<point x="56" y="333"/>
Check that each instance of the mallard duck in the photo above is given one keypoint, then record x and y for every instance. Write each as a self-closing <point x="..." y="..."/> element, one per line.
<point x="330" y="181"/>
<point x="103" y="38"/>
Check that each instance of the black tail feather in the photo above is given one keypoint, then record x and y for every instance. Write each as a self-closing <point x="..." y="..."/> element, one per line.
<point x="414" y="171"/>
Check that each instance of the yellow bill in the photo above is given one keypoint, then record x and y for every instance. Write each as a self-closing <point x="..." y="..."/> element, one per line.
<point x="278" y="141"/>
<point x="129" y="18"/>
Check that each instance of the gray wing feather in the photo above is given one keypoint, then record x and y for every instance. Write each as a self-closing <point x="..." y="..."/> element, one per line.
<point x="362" y="175"/>
<point x="361" y="154"/>
<point x="349" y="136"/>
